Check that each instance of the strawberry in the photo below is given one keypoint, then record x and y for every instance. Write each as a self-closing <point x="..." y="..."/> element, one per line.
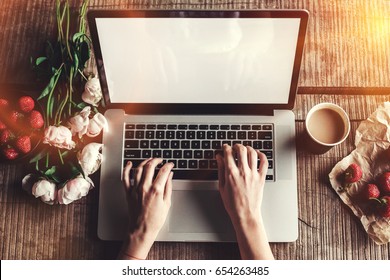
<point x="383" y="208"/>
<point x="3" y="103"/>
<point x="353" y="173"/>
<point x="26" y="104"/>
<point x="384" y="182"/>
<point x="5" y="136"/>
<point x="23" y="143"/>
<point x="370" y="191"/>
<point x="14" y="116"/>
<point x="2" y="125"/>
<point x="10" y="153"/>
<point x="36" y="119"/>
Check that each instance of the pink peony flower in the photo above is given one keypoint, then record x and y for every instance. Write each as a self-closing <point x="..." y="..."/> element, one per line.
<point x="79" y="123"/>
<point x="96" y="124"/>
<point x="74" y="189"/>
<point x="92" y="92"/>
<point x="46" y="190"/>
<point x="60" y="137"/>
<point x="90" y="158"/>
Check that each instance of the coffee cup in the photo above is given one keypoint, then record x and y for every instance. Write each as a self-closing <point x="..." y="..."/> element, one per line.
<point x="327" y="125"/>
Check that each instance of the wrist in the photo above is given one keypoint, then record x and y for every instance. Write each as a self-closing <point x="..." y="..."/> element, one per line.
<point x="137" y="245"/>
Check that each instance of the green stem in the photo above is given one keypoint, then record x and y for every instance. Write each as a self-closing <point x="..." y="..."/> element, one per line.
<point x="59" y="153"/>
<point x="47" y="160"/>
<point x="82" y="74"/>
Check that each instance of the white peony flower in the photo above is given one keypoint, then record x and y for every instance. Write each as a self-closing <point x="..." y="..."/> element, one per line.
<point x="46" y="190"/>
<point x="79" y="123"/>
<point x="96" y="124"/>
<point x="60" y="137"/>
<point x="74" y="189"/>
<point x="90" y="158"/>
<point x="92" y="92"/>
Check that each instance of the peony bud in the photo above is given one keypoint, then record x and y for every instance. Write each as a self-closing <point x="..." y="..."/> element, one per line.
<point x="46" y="190"/>
<point x="74" y="190"/>
<point x="90" y="158"/>
<point x="92" y="92"/>
<point x="79" y="123"/>
<point x="60" y="137"/>
<point x="96" y="124"/>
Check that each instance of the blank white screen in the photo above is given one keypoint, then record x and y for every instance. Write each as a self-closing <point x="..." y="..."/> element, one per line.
<point x="198" y="60"/>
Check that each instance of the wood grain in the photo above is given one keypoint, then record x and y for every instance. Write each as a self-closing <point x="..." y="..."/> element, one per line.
<point x="347" y="46"/>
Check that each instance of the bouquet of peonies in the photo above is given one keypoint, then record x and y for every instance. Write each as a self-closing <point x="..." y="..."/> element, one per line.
<point x="71" y="100"/>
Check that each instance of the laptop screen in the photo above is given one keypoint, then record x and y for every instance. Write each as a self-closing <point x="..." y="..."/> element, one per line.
<point x="198" y="57"/>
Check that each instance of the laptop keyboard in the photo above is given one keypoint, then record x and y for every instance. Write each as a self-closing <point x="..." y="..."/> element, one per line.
<point x="192" y="148"/>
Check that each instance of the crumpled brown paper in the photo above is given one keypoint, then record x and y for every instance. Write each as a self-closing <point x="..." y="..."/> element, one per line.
<point x="372" y="138"/>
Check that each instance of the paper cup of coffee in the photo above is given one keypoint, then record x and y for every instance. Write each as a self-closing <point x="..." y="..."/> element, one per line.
<point x="327" y="125"/>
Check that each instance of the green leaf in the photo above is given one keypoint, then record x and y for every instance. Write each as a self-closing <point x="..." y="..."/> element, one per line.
<point x="40" y="60"/>
<point x="85" y="53"/>
<point x="51" y="171"/>
<point x="52" y="84"/>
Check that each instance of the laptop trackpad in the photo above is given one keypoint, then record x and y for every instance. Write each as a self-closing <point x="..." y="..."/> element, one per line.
<point x="198" y="212"/>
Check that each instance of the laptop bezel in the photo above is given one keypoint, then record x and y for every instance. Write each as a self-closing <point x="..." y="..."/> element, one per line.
<point x="210" y="108"/>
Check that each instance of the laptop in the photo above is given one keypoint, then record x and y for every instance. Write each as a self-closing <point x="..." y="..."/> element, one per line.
<point x="178" y="84"/>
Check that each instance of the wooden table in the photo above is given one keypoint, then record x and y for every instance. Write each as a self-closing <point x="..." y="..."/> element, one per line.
<point x="346" y="62"/>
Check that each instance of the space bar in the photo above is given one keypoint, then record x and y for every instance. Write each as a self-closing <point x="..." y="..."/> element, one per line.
<point x="199" y="174"/>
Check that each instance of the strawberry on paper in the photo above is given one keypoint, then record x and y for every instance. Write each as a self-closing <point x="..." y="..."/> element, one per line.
<point x="353" y="174"/>
<point x="384" y="206"/>
<point x="370" y="191"/>
<point x="26" y="104"/>
<point x="23" y="144"/>
<point x="384" y="182"/>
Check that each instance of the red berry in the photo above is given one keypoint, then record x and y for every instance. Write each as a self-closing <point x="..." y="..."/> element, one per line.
<point x="384" y="182"/>
<point x="36" y="119"/>
<point x="384" y="207"/>
<point x="370" y="191"/>
<point x="353" y="173"/>
<point x="23" y="144"/>
<point x="2" y="125"/>
<point x="14" y="116"/>
<point x="26" y="104"/>
<point x="3" y="103"/>
<point x="5" y="136"/>
<point x="10" y="153"/>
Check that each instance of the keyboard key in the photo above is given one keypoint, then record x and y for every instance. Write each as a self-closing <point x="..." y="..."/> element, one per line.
<point x="193" y="164"/>
<point x="226" y="142"/>
<point x="193" y="126"/>
<point x="140" y="134"/>
<point x="182" y="164"/>
<point x="245" y="127"/>
<point x="157" y="153"/>
<point x="203" y="164"/>
<point x="140" y="126"/>
<point x="202" y="174"/>
<point x="129" y="154"/>
<point x="206" y="144"/>
<point x="167" y="154"/>
<point x="242" y="135"/>
<point x="195" y="144"/>
<point x="232" y="135"/>
<point x="214" y="127"/>
<point x="270" y="164"/>
<point x="177" y="154"/>
<point x="164" y="144"/>
<point x="151" y="126"/>
<point x="132" y="144"/>
<point x="198" y="154"/>
<point x="269" y="177"/>
<point x="216" y="145"/>
<point x="172" y="126"/>
<point x="190" y="134"/>
<point x="256" y="127"/>
<point x="174" y="161"/>
<point x="182" y="126"/>
<point x="187" y="154"/>
<point x="264" y="135"/>
<point x="200" y="135"/>
<point x="129" y="134"/>
<point x="146" y="153"/>
<point x="221" y="135"/>
<point x="185" y="144"/>
<point x="149" y="134"/>
<point x="236" y="142"/>
<point x="130" y="126"/>
<point x="268" y="154"/>
<point x="204" y="127"/>
<point x="257" y="145"/>
<point x="213" y="164"/>
<point x="180" y="134"/>
<point x="175" y="144"/>
<point x="169" y="134"/>
<point x="247" y="143"/>
<point x="154" y="144"/>
<point x="135" y="162"/>
<point x="208" y="154"/>
<point x="267" y="145"/>
<point x="252" y="135"/>
<point x="267" y="127"/>
<point x="211" y="134"/>
<point x="235" y="127"/>
<point x="144" y="144"/>
<point x="160" y="134"/>
<point x="224" y="127"/>
<point x="161" y="126"/>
